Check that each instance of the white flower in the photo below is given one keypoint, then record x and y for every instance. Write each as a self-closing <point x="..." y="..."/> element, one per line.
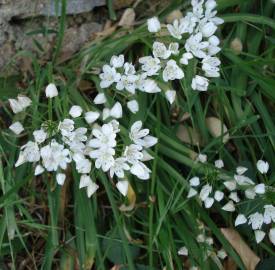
<point x="86" y="181"/>
<point x="260" y="189"/>
<point x="269" y="214"/>
<point x="104" y="158"/>
<point x="40" y="135"/>
<point x="174" y="48"/>
<point x="38" y="170"/>
<point x="241" y="219"/>
<point x="54" y="155"/>
<point x="115" y="125"/>
<point x="105" y="137"/>
<point x="210" y="65"/>
<point x="109" y="76"/>
<point x="262" y="166"/>
<point x="153" y="25"/>
<point x="219" y="164"/>
<point x="133" y="106"/>
<point x="183" y="251"/>
<point x="250" y="193"/>
<point x="214" y="40"/>
<point x="229" y="207"/>
<point x="185" y="58"/>
<point x="129" y="69"/>
<point x="17" y="128"/>
<point x="19" y="104"/>
<point x="170" y="96"/>
<point x="119" y="167"/>
<point x="147" y="85"/>
<point x="221" y="254"/>
<point x="256" y="220"/>
<point x="243" y="180"/>
<point x="140" y="136"/>
<point x="29" y="153"/>
<point x="192" y="192"/>
<point x="83" y="165"/>
<point x="218" y="196"/>
<point x="241" y="170"/>
<point x="172" y="71"/>
<point x="205" y="191"/>
<point x="199" y="83"/>
<point x="66" y="127"/>
<point x="207" y="28"/>
<point x="75" y="111"/>
<point x="127" y="82"/>
<point x="51" y="91"/>
<point x="196" y="46"/>
<point x="150" y="65"/>
<point x="177" y="28"/>
<point x="230" y="185"/>
<point x="140" y="170"/>
<point x="202" y="158"/>
<point x="160" y="50"/>
<point x="194" y="181"/>
<point x="60" y="178"/>
<point x="117" y="61"/>
<point x="116" y="111"/>
<point x="132" y="153"/>
<point x="122" y="187"/>
<point x="234" y="197"/>
<point x="100" y="98"/>
<point x="208" y="202"/>
<point x="259" y="235"/>
<point x="91" y="117"/>
<point x="272" y="236"/>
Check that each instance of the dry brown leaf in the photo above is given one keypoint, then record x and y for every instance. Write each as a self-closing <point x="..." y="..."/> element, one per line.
<point x="217" y="128"/>
<point x="249" y="258"/>
<point x="230" y="264"/>
<point x="188" y="135"/>
<point x="127" y="18"/>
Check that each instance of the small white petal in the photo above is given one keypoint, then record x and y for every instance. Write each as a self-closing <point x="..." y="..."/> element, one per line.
<point x="75" y="111"/>
<point x="192" y="192"/>
<point x="219" y="164"/>
<point x="116" y="111"/>
<point x="84" y="181"/>
<point x="91" y="189"/>
<point x="241" y="170"/>
<point x="153" y="25"/>
<point x="221" y="254"/>
<point x="194" y="181"/>
<point x="51" y="91"/>
<point x="229" y="207"/>
<point x="60" y="178"/>
<point x="91" y="117"/>
<point x="262" y="166"/>
<point x="105" y="113"/>
<point x="38" y="170"/>
<point x="133" y="106"/>
<point x="100" y="99"/>
<point x="250" y="193"/>
<point x="260" y="189"/>
<point x="218" y="195"/>
<point x="259" y="235"/>
<point x="241" y="219"/>
<point x="122" y="187"/>
<point x="183" y="251"/>
<point x="230" y="185"/>
<point x="16" y="127"/>
<point x="208" y="202"/>
<point x="272" y="236"/>
<point x="234" y="197"/>
<point x="170" y="96"/>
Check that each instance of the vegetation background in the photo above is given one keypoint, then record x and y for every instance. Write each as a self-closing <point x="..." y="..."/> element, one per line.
<point x="43" y="226"/>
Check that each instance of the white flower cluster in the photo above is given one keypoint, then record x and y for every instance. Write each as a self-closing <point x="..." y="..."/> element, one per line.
<point x="232" y="192"/>
<point x="167" y="61"/>
<point x="56" y="145"/>
<point x="206" y="243"/>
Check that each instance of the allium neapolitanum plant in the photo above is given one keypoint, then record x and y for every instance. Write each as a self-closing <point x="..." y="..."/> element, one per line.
<point x="116" y="140"/>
